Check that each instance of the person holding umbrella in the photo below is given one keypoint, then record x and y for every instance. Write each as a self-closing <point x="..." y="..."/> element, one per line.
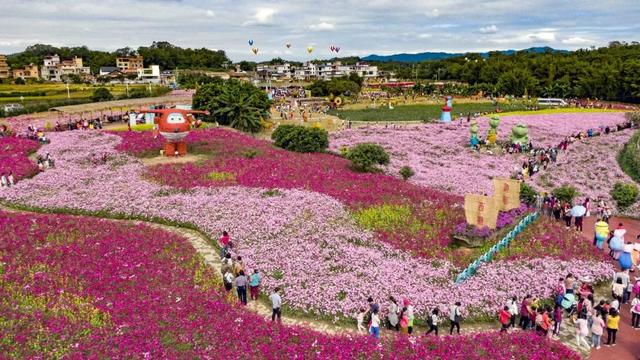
<point x="578" y="212"/>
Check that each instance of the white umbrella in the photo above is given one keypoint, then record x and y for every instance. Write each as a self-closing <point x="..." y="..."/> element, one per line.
<point x="578" y="210"/>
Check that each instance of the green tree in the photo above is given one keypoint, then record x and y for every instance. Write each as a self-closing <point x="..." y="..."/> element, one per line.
<point x="101" y="94"/>
<point x="366" y="156"/>
<point x="517" y="82"/>
<point x="237" y="104"/>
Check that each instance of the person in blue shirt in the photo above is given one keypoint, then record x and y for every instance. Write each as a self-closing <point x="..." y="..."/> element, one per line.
<point x="254" y="284"/>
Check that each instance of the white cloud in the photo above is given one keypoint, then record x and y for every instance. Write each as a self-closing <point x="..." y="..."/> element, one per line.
<point x="323" y="26"/>
<point x="433" y="13"/>
<point x="425" y="36"/>
<point x="491" y="29"/>
<point x="263" y="16"/>
<point x="210" y="13"/>
<point x="542" y="37"/>
<point x="576" y="40"/>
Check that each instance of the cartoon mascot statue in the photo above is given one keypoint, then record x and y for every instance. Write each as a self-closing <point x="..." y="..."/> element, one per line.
<point x="174" y="125"/>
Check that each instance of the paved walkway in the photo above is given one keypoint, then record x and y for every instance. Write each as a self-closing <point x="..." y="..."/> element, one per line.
<point x="628" y="339"/>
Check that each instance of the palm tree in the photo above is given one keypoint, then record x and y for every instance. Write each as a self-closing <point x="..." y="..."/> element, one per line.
<point x="240" y="109"/>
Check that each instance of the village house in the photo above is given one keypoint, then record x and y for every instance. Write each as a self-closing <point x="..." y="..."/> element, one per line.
<point x="130" y="64"/>
<point x="30" y="71"/>
<point x="4" y="68"/>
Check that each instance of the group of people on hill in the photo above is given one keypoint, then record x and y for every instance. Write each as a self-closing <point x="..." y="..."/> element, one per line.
<point x="80" y="124"/>
<point x="539" y="158"/>
<point x="399" y="317"/>
<point x="574" y="302"/>
<point x="235" y="274"/>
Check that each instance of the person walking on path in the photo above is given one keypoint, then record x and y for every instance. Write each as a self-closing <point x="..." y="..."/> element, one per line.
<point x="597" y="328"/>
<point x="613" y="321"/>
<point x="557" y="320"/>
<point x="433" y="321"/>
<point x="374" y="328"/>
<point x="392" y="316"/>
<point x="512" y="304"/>
<point x="635" y="313"/>
<point x="505" y="319"/>
<point x="582" y="330"/>
<point x="254" y="284"/>
<point x="227" y="279"/>
<point x="360" y="320"/>
<point x="408" y="309"/>
<point x="276" y="303"/>
<point x="225" y="241"/>
<point x="524" y="312"/>
<point x="455" y="317"/>
<point x="241" y="287"/>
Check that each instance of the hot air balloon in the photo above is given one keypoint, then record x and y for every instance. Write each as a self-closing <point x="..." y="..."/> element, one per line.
<point x="333" y="48"/>
<point x="288" y="45"/>
<point x="337" y="49"/>
<point x="309" y="49"/>
<point x="255" y="51"/>
<point x="250" y="42"/>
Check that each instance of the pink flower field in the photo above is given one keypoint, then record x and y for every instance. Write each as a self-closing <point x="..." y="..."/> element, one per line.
<point x="304" y="241"/>
<point x="13" y="157"/>
<point x="591" y="167"/>
<point x="440" y="155"/>
<point x="78" y="287"/>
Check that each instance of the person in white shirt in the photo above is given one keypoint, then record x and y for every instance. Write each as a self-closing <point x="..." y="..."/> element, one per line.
<point x="512" y="304"/>
<point x="10" y="179"/>
<point x="454" y="316"/>
<point x="360" y="319"/>
<point x="276" y="303"/>
<point x="374" y="329"/>
<point x="3" y="181"/>
<point x="433" y="321"/>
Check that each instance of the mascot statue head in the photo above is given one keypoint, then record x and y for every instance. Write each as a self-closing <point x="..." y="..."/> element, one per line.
<point x="520" y="134"/>
<point x="174" y="125"/>
<point x="492" y="133"/>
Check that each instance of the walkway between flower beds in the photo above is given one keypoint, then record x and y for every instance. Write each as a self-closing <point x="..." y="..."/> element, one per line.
<point x="210" y="256"/>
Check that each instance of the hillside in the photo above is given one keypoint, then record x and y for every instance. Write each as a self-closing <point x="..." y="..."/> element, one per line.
<point x="426" y="56"/>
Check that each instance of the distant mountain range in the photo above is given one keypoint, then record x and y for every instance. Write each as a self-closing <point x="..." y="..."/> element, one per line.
<point x="426" y="56"/>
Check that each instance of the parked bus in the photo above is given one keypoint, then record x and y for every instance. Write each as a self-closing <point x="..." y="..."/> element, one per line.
<point x="551" y="102"/>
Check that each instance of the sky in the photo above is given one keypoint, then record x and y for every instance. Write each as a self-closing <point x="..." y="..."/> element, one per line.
<point x="359" y="28"/>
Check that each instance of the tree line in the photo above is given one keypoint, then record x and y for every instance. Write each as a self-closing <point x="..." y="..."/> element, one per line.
<point x="161" y="53"/>
<point x="607" y="73"/>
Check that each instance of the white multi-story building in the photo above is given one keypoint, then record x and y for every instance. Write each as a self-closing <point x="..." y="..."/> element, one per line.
<point x="309" y="70"/>
<point x="54" y="69"/>
<point x="150" y="75"/>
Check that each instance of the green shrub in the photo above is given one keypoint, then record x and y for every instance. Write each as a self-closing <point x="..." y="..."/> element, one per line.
<point x="300" y="138"/>
<point x="629" y="157"/>
<point x="101" y="94"/>
<point x="527" y="194"/>
<point x="250" y="153"/>
<point x="366" y="156"/>
<point x="221" y="176"/>
<point x="625" y="194"/>
<point x="406" y="172"/>
<point x="565" y="193"/>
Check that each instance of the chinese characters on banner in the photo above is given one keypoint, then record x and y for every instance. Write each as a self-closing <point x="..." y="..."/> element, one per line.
<point x="482" y="210"/>
<point x="507" y="192"/>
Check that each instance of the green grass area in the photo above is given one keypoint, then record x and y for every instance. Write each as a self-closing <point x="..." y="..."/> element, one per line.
<point x="430" y="112"/>
<point x="40" y="93"/>
<point x="560" y="111"/>
<point x="629" y="157"/>
<point x="422" y="112"/>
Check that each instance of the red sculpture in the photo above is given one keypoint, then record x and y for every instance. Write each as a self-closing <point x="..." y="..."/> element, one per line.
<point x="174" y="125"/>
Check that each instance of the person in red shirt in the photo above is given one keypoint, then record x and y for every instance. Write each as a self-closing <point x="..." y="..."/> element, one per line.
<point x="225" y="242"/>
<point x="505" y="319"/>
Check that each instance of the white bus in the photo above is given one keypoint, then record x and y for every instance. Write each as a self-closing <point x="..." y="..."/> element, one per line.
<point x="551" y="102"/>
